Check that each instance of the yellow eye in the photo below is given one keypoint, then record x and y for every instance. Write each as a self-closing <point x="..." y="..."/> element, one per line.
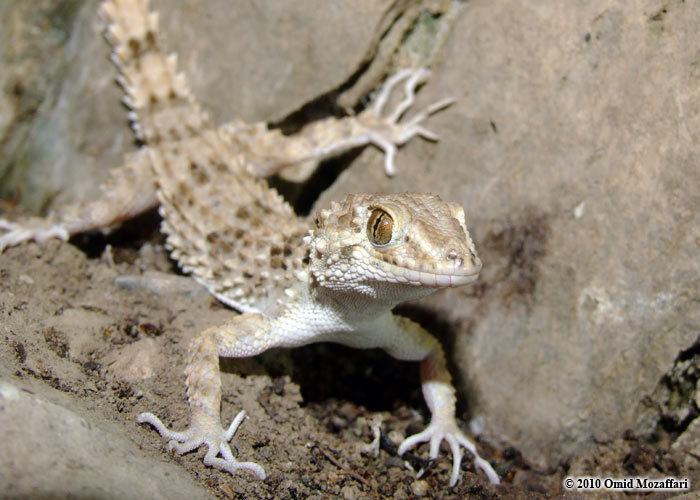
<point x="379" y="227"/>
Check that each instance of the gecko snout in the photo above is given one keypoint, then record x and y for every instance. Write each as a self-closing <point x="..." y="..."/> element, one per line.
<point x="462" y="261"/>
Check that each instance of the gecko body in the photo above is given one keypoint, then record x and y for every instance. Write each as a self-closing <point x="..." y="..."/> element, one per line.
<point x="336" y="279"/>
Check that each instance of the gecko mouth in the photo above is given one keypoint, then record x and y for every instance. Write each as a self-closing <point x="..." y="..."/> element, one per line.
<point x="460" y="277"/>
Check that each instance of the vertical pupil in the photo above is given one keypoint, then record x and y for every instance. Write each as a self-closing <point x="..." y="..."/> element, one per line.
<point x="378" y="224"/>
<point x="380" y="227"/>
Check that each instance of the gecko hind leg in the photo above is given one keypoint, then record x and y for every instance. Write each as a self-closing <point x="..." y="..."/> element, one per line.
<point x="35" y="228"/>
<point x="395" y="133"/>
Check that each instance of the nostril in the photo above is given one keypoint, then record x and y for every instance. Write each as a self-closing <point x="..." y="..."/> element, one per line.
<point x="454" y="255"/>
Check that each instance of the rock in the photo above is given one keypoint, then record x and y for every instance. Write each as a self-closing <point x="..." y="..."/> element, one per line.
<point x="137" y="361"/>
<point x="77" y="454"/>
<point x="573" y="148"/>
<point x="688" y="444"/>
<point x="420" y="487"/>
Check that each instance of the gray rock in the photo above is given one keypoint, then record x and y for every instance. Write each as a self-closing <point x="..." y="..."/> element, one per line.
<point x="688" y="444"/>
<point x="573" y="147"/>
<point x="77" y="454"/>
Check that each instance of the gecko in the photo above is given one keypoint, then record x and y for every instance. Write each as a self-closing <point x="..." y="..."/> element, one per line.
<point x="333" y="278"/>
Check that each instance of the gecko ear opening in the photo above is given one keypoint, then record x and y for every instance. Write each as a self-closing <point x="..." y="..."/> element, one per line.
<point x="380" y="227"/>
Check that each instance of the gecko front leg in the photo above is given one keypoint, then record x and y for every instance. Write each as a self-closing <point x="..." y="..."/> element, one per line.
<point x="439" y="394"/>
<point x="245" y="335"/>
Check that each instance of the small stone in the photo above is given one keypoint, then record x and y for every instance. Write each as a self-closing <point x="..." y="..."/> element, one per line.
<point x="23" y="278"/>
<point x="420" y="487"/>
<point x="350" y="493"/>
<point x="396" y="436"/>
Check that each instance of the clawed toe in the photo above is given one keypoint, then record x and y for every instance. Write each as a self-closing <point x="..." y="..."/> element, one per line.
<point x="14" y="233"/>
<point x="206" y="433"/>
<point x="435" y="433"/>
<point x="413" y="78"/>
<point x="229" y="463"/>
<point x="392" y="132"/>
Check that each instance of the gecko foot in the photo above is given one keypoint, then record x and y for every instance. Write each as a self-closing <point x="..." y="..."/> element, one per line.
<point x="394" y="133"/>
<point x="205" y="430"/>
<point x="435" y="433"/>
<point x="32" y="229"/>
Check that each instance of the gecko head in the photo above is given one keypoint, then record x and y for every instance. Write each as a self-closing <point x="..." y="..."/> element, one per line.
<point x="411" y="239"/>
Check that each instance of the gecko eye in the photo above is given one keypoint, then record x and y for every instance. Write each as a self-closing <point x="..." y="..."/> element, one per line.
<point x="380" y="227"/>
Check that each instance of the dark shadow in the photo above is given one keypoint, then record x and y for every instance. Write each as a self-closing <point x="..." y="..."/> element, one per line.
<point x="131" y="235"/>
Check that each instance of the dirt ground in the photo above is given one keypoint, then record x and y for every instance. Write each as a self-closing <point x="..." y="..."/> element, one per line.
<point x="108" y="327"/>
